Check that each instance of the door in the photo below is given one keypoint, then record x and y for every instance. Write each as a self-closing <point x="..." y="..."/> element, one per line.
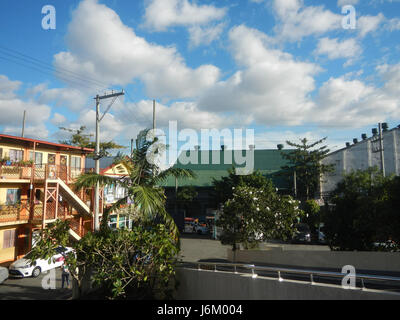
<point x="63" y="168"/>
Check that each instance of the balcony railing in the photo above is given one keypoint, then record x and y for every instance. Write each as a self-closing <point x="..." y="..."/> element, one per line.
<point x="14" y="213"/>
<point x="40" y="172"/>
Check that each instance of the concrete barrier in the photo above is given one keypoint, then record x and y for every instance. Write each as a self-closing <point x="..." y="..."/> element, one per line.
<point x="210" y="285"/>
<point x="374" y="261"/>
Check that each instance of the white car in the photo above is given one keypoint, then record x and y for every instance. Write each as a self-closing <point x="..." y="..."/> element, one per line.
<point x="23" y="267"/>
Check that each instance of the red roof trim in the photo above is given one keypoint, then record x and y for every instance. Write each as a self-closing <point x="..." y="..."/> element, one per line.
<point x="86" y="150"/>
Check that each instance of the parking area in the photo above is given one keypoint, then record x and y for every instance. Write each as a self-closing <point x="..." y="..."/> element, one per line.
<point x="32" y="288"/>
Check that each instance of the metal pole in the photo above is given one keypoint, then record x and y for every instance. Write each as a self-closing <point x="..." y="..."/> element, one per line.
<point x="154" y="114"/>
<point x="97" y="165"/>
<point x="381" y="150"/>
<point x="295" y="184"/>
<point x="23" y="125"/>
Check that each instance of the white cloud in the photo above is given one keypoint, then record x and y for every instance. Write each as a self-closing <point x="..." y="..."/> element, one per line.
<point x="117" y="56"/>
<point x="336" y="49"/>
<point x="205" y="35"/>
<point x="8" y="87"/>
<point x="12" y="108"/>
<point x="367" y="24"/>
<point x="272" y="86"/>
<point x="352" y="103"/>
<point x="393" y="24"/>
<point x="162" y="14"/>
<point x="58" y="119"/>
<point x="298" y="21"/>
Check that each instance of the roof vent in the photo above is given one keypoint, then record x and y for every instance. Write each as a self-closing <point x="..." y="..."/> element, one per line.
<point x="364" y="136"/>
<point x="348" y="144"/>
<point x="355" y="141"/>
<point x="196" y="148"/>
<point x="223" y="147"/>
<point x="385" y="127"/>
<point x="280" y="146"/>
<point x="374" y="132"/>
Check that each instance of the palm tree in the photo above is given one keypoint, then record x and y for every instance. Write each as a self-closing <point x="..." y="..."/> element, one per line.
<point x="143" y="184"/>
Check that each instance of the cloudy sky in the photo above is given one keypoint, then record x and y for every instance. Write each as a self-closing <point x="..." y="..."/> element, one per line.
<point x="286" y="68"/>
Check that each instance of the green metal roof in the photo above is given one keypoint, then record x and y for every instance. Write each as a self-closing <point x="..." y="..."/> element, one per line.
<point x="268" y="162"/>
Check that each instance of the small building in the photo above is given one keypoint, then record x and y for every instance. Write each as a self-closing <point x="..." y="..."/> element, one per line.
<point x="35" y="189"/>
<point x="114" y="192"/>
<point x="361" y="155"/>
<point x="268" y="162"/>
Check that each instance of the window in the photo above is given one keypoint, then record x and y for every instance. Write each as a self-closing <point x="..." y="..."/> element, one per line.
<point x="51" y="158"/>
<point x="38" y="157"/>
<point x="16" y="155"/>
<point x="76" y="162"/>
<point x="8" y="239"/>
<point x="13" y="196"/>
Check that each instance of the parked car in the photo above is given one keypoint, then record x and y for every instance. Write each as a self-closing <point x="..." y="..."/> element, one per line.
<point x="24" y="268"/>
<point x="201" y="229"/>
<point x="3" y="274"/>
<point x="303" y="234"/>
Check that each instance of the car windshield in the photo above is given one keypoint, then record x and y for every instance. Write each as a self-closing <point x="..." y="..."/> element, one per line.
<point x="60" y="250"/>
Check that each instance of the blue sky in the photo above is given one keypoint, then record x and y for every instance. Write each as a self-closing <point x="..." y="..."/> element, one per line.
<point x="286" y="68"/>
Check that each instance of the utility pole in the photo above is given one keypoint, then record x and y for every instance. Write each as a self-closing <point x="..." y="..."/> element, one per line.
<point x="97" y="156"/>
<point x="154" y="114"/>
<point x="23" y="125"/>
<point x="381" y="150"/>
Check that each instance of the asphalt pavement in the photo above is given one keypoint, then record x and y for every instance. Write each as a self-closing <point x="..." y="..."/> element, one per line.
<point x="32" y="288"/>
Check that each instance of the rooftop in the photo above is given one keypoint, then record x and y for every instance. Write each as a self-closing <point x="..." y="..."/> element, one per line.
<point x="26" y="142"/>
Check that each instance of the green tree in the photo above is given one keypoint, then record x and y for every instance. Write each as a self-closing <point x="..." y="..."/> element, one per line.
<point x="364" y="212"/>
<point x="312" y="214"/>
<point x="80" y="139"/>
<point x="256" y="214"/>
<point x="135" y="264"/>
<point x="305" y="159"/>
<point x="142" y="184"/>
<point x="223" y="188"/>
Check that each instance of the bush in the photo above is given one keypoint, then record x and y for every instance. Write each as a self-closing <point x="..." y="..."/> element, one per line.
<point x="364" y="212"/>
<point x="123" y="264"/>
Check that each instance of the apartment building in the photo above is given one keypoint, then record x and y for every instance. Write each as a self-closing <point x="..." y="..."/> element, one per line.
<point x="36" y="180"/>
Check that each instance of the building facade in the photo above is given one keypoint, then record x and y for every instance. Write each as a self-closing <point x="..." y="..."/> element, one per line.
<point x="268" y="162"/>
<point x="36" y="180"/>
<point x="362" y="155"/>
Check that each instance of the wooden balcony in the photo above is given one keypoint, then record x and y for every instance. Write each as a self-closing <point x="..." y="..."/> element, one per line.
<point x="38" y="173"/>
<point x="14" y="214"/>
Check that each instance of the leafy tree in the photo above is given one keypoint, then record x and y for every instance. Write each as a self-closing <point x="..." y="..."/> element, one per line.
<point x="224" y="187"/>
<point x="186" y="195"/>
<point x="256" y="214"/>
<point x="80" y="139"/>
<point x="306" y="161"/>
<point x="142" y="184"/>
<point x="364" y="212"/>
<point x="134" y="264"/>
<point x="312" y="214"/>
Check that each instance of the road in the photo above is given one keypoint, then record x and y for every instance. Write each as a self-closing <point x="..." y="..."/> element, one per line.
<point x="31" y="289"/>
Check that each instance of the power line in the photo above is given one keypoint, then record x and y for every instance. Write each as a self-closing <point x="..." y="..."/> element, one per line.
<point x="26" y="58"/>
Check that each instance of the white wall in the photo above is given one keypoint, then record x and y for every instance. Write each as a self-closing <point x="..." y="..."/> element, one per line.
<point x="360" y="156"/>
<point x="210" y="285"/>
